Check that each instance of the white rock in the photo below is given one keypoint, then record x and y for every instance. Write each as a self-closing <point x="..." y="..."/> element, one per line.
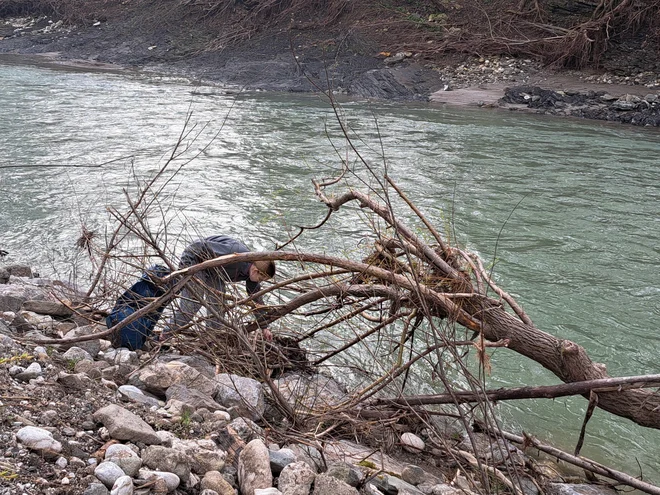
<point x="171" y="480"/>
<point x="123" y="486"/>
<point x="38" y="439"/>
<point x="108" y="473"/>
<point x="412" y="443"/>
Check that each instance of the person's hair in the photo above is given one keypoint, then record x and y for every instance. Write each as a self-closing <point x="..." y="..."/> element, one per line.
<point x="268" y="267"/>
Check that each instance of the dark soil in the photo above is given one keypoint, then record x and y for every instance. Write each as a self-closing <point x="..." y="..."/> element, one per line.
<point x="349" y="47"/>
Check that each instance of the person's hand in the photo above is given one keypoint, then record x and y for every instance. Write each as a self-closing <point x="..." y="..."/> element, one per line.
<point x="268" y="335"/>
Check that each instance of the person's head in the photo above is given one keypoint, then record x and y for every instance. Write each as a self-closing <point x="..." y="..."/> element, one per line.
<point x="262" y="270"/>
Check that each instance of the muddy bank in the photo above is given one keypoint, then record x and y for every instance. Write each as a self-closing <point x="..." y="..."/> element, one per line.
<point x="304" y="61"/>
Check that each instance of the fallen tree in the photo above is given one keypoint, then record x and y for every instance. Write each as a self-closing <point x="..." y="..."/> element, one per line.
<point x="407" y="309"/>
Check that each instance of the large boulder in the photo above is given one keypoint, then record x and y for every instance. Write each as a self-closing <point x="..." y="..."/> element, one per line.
<point x="254" y="468"/>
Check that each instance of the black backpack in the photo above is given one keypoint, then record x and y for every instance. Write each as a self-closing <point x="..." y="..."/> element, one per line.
<point x="135" y="334"/>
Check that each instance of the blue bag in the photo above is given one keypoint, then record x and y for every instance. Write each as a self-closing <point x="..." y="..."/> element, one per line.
<point x="135" y="334"/>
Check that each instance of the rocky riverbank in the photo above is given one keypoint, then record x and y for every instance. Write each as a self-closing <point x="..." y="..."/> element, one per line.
<point x="91" y="419"/>
<point x="624" y="93"/>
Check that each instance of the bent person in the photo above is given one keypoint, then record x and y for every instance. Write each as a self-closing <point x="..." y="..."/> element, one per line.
<point x="213" y="280"/>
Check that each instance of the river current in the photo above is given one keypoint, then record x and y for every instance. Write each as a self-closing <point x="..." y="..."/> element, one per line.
<point x="568" y="210"/>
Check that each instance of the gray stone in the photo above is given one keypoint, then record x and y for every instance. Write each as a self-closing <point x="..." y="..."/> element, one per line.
<point x="296" y="479"/>
<point x="199" y="363"/>
<point x="246" y="429"/>
<point x="193" y="398"/>
<point x="172" y="481"/>
<point x="92" y="346"/>
<point x="345" y="472"/>
<point x="30" y="373"/>
<point x="414" y="475"/>
<point x="158" y="377"/>
<point x="20" y="271"/>
<point x="76" y="354"/>
<point x="244" y="394"/>
<point x="51" y="308"/>
<point x="96" y="489"/>
<point x="125" y="458"/>
<point x="76" y="381"/>
<point x="134" y="394"/>
<point x="412" y="443"/>
<point x="393" y="485"/>
<point x="121" y="356"/>
<point x="91" y="368"/>
<point x="279" y="459"/>
<point x="108" y="473"/>
<point x="123" y="486"/>
<point x="203" y="454"/>
<point x="254" y="468"/>
<point x="328" y="485"/>
<point x="124" y="425"/>
<point x="6" y="329"/>
<point x="167" y="459"/>
<point x="38" y="439"/>
<point x="213" y="480"/>
<point x="308" y="454"/>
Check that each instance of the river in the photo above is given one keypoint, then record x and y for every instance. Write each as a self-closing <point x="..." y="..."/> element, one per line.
<point x="569" y="210"/>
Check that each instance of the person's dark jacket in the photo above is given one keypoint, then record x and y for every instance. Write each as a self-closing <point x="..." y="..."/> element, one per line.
<point x="221" y="245"/>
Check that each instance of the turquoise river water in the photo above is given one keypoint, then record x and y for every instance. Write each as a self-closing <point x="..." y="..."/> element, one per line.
<point x="581" y="251"/>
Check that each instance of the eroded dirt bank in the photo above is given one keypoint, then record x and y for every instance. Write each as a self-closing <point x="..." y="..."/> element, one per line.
<point x="300" y="59"/>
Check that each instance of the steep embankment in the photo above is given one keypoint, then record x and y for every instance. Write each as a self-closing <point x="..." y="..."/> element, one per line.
<point x="366" y="49"/>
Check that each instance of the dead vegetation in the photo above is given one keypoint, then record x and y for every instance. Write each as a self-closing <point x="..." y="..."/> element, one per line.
<point x="563" y="33"/>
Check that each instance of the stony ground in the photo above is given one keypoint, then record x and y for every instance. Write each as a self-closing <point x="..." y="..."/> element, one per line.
<point x="89" y="419"/>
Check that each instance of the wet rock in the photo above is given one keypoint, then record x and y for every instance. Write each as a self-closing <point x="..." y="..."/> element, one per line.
<point x="254" y="468"/>
<point x="124" y="425"/>
<point x="244" y="394"/>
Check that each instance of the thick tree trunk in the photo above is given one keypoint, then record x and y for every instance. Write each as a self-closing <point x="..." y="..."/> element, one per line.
<point x="570" y="363"/>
